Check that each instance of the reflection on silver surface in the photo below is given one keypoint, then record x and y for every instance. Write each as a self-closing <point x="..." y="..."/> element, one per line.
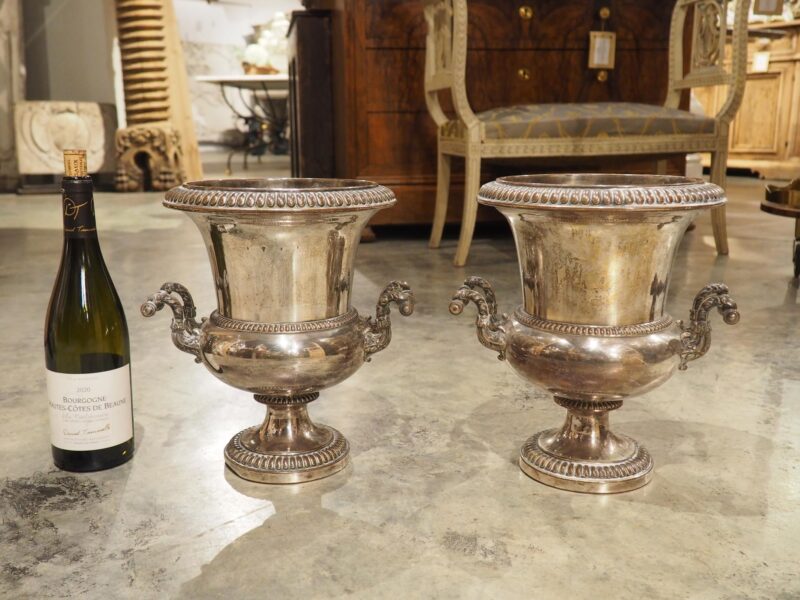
<point x="282" y="253"/>
<point x="595" y="255"/>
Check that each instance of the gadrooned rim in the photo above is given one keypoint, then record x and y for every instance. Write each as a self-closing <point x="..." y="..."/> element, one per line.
<point x="278" y="195"/>
<point x="601" y="191"/>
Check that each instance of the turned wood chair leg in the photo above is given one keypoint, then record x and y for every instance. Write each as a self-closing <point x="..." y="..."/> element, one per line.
<point x="719" y="161"/>
<point x="442" y="195"/>
<point x="472" y="182"/>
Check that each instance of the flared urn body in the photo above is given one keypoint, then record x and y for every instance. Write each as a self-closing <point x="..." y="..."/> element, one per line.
<point x="595" y="255"/>
<point x="282" y="254"/>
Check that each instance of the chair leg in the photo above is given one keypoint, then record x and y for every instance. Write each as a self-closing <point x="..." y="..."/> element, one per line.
<point x="442" y="195"/>
<point x="719" y="161"/>
<point x="472" y="181"/>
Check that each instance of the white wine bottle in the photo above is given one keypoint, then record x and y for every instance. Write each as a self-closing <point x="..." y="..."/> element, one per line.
<point x="87" y="350"/>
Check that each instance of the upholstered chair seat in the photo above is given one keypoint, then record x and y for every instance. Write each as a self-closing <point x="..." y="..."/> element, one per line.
<point x="585" y="120"/>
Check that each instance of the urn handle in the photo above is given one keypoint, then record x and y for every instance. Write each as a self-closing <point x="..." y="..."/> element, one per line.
<point x="185" y="329"/>
<point x="491" y="330"/>
<point x="378" y="331"/>
<point x="696" y="335"/>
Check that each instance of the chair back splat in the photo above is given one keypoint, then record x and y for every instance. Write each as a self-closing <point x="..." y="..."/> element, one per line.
<point x="707" y="62"/>
<point x="446" y="60"/>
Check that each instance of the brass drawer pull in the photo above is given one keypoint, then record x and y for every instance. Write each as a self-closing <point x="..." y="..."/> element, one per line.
<point x="525" y="12"/>
<point x="604" y="13"/>
<point x="524" y="74"/>
<point x="602" y="76"/>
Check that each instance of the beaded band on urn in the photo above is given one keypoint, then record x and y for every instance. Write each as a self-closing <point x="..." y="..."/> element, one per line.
<point x="281" y="195"/>
<point x="600" y="192"/>
<point x="290" y="332"/>
<point x="596" y="253"/>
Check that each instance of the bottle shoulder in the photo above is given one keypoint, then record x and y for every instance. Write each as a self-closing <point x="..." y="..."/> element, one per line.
<point x="85" y="310"/>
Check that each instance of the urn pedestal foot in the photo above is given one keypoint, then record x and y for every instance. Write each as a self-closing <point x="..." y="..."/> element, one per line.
<point x="288" y="447"/>
<point x="585" y="455"/>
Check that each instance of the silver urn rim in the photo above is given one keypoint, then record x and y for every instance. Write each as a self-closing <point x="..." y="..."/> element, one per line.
<point x="601" y="191"/>
<point x="247" y="196"/>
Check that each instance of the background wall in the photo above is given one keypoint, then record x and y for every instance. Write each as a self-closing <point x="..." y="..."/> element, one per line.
<point x="68" y="49"/>
<point x="212" y="36"/>
<point x="12" y="88"/>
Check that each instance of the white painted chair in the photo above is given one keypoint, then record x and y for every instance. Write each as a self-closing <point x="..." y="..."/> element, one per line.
<point x="583" y="129"/>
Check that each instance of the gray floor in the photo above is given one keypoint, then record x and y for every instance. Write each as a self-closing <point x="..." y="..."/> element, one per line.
<point x="434" y="505"/>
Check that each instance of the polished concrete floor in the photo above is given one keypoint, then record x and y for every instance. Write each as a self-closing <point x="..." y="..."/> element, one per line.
<point x="433" y="505"/>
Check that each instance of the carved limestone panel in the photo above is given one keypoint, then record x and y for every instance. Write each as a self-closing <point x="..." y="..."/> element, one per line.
<point x="43" y="129"/>
<point x="11" y="87"/>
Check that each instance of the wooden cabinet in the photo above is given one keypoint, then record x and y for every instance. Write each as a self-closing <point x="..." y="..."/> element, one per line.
<point x="520" y="51"/>
<point x="311" y="94"/>
<point x="765" y="135"/>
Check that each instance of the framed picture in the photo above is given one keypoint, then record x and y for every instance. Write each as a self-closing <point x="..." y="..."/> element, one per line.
<point x="602" y="47"/>
<point x="768" y="7"/>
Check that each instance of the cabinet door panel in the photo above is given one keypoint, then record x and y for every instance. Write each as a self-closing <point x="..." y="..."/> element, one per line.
<point x="762" y="117"/>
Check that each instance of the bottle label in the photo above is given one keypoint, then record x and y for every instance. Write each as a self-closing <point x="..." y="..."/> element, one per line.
<point x="90" y="411"/>
<point x="78" y="209"/>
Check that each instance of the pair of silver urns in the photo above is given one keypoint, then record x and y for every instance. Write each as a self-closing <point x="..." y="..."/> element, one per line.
<point x="595" y="254"/>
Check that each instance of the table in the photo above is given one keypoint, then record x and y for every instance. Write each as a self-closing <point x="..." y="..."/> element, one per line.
<point x="785" y="202"/>
<point x="267" y="117"/>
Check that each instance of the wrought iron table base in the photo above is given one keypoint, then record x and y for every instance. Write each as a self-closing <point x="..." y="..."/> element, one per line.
<point x="265" y="126"/>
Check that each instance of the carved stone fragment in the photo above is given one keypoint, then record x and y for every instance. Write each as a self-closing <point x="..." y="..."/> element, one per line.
<point x="44" y="129"/>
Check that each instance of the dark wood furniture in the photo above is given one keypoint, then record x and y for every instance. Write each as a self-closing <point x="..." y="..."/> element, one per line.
<point x="522" y="51"/>
<point x="785" y="202"/>
<point x="311" y="94"/>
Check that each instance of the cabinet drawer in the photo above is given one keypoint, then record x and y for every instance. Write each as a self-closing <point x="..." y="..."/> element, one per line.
<point x="501" y="78"/>
<point x="505" y="77"/>
<point x="394" y="144"/>
<point x="492" y="24"/>
<point x="396" y="79"/>
<point x="504" y="24"/>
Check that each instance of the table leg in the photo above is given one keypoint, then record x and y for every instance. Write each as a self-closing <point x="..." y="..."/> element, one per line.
<point x="228" y="170"/>
<point x="797" y="247"/>
<point x="276" y="125"/>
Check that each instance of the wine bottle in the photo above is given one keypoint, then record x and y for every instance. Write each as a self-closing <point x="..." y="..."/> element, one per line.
<point x="87" y="351"/>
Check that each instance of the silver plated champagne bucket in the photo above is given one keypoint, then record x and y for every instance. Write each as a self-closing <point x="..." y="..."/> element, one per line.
<point x="282" y="253"/>
<point x="595" y="255"/>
